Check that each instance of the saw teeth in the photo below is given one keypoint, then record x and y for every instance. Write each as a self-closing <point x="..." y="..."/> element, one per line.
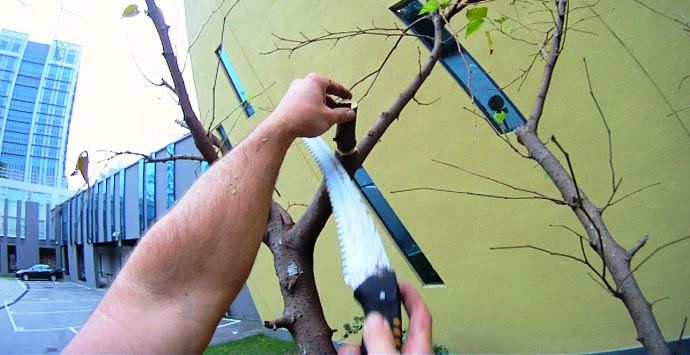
<point x="362" y="251"/>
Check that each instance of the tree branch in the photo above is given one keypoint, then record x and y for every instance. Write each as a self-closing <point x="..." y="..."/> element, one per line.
<point x="314" y="218"/>
<point x="196" y="128"/>
<point x="638" y="245"/>
<point x="533" y="121"/>
<point x="150" y="159"/>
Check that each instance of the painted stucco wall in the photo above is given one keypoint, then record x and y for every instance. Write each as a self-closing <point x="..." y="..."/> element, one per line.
<point x="493" y="301"/>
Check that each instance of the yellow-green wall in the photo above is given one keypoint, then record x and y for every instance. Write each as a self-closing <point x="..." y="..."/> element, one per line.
<point x="493" y="301"/>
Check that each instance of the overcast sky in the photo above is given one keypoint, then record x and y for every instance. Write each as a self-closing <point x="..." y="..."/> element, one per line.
<point x="115" y="107"/>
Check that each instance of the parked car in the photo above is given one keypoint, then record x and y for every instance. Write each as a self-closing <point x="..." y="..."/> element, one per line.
<point x="39" y="271"/>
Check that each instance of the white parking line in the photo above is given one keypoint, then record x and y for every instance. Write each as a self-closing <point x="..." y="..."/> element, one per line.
<point x="230" y="322"/>
<point x="21" y="284"/>
<point x="54" y="312"/>
<point x="62" y="301"/>
<point x="7" y="309"/>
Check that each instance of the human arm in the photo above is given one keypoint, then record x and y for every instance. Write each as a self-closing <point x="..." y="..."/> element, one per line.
<point x="379" y="338"/>
<point x="191" y="264"/>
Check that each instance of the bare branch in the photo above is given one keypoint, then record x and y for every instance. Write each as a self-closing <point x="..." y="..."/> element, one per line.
<point x="421" y="103"/>
<point x="608" y="130"/>
<point x="651" y="304"/>
<point x="644" y="71"/>
<point x="479" y="194"/>
<point x="528" y="246"/>
<point x="496" y="181"/>
<point x="195" y="126"/>
<point x="638" y="245"/>
<point x="150" y="159"/>
<point x="633" y="193"/>
<point x="316" y="215"/>
<point x="550" y="65"/>
<point x="660" y="248"/>
<point x="377" y="71"/>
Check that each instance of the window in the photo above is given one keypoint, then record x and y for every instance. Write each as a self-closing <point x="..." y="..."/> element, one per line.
<point x="150" y="191"/>
<point x="401" y="236"/>
<point x="487" y="95"/>
<point x="111" y="184"/>
<point x="235" y="81"/>
<point x="103" y="186"/>
<point x="170" y="177"/>
<point x="122" y="204"/>
<point x="142" y="188"/>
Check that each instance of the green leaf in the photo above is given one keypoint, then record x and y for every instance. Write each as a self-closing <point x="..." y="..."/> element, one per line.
<point x="131" y="11"/>
<point x="445" y="3"/>
<point x="491" y="42"/>
<point x="508" y="29"/>
<point x="473" y="26"/>
<point x="430" y="6"/>
<point x="500" y="20"/>
<point x="477" y="13"/>
<point x="499" y="117"/>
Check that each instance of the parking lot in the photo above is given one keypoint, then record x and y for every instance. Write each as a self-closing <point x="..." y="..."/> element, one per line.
<point x="46" y="315"/>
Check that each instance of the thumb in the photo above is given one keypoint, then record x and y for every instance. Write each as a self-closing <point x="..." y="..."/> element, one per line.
<point x="341" y="115"/>
<point x="377" y="335"/>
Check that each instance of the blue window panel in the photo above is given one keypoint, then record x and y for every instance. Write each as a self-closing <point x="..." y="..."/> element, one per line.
<point x="103" y="187"/>
<point x="224" y="136"/>
<point x="170" y="177"/>
<point x="487" y="95"/>
<point x="142" y="188"/>
<point x="235" y="81"/>
<point x="401" y="236"/>
<point x="122" y="204"/>
<point x="150" y="192"/>
<point x="111" y="186"/>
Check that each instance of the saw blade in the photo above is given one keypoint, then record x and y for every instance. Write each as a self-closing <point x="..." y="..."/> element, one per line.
<point x="361" y="248"/>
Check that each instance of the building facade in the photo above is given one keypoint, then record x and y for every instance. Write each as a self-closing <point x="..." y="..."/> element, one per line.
<point x="482" y="300"/>
<point x="37" y="87"/>
<point x="97" y="228"/>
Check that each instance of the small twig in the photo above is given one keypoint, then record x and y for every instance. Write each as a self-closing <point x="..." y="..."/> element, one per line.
<point x="377" y="71"/>
<point x="660" y="248"/>
<point x="496" y="181"/>
<point x="421" y="103"/>
<point x="682" y="81"/>
<point x="644" y="71"/>
<point x="651" y="304"/>
<point x="570" y="167"/>
<point x="682" y="332"/>
<point x="608" y="129"/>
<point x="479" y="194"/>
<point x="633" y="193"/>
<point x="598" y="282"/>
<point x="638" y="245"/>
<point x="528" y="246"/>
<point x="150" y="159"/>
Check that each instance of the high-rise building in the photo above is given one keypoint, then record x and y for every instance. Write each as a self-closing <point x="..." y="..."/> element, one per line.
<point x="37" y="87"/>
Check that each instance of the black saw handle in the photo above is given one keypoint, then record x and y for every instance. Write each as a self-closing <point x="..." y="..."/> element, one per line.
<point x="380" y="293"/>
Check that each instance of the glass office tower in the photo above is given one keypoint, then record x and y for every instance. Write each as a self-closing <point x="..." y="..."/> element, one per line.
<point x="37" y="86"/>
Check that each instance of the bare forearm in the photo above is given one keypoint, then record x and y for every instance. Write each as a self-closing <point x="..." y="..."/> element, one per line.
<point x="186" y="270"/>
<point x="194" y="261"/>
<point x="212" y="235"/>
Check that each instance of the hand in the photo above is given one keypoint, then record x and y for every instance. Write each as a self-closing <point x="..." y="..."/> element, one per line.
<point x="303" y="111"/>
<point x="379" y="338"/>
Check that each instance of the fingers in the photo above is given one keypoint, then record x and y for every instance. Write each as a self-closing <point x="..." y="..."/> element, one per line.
<point x="330" y="87"/>
<point x="419" y="330"/>
<point x="377" y="335"/>
<point x="340" y="115"/>
<point x="349" y="349"/>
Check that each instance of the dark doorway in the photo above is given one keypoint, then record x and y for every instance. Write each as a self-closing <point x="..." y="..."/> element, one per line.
<point x="81" y="270"/>
<point x="65" y="259"/>
<point x="11" y="258"/>
<point x="47" y="256"/>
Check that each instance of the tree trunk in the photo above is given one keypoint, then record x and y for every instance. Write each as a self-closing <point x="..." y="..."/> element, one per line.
<point x="615" y="258"/>
<point x="302" y="312"/>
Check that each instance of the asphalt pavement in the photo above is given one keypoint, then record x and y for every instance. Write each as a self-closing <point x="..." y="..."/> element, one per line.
<point x="41" y="317"/>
